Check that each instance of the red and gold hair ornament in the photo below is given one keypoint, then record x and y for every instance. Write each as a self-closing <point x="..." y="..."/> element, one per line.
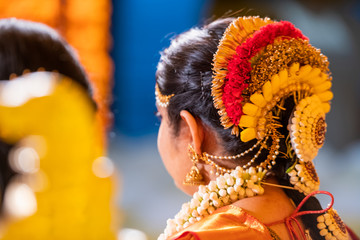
<point x="245" y="90"/>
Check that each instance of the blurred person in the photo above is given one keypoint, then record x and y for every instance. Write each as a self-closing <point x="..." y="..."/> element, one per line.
<point x="64" y="184"/>
<point x="25" y="47"/>
<point x="242" y="104"/>
<point x="56" y="182"/>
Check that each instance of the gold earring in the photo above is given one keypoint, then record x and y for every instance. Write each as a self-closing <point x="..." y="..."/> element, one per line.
<point x="194" y="177"/>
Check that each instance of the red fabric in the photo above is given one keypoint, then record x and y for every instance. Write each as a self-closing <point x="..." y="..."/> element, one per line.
<point x="352" y="234"/>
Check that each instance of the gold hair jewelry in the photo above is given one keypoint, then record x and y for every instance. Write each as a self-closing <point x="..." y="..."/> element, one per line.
<point x="27" y="71"/>
<point x="261" y="144"/>
<point x="12" y="76"/>
<point x="194" y="177"/>
<point x="162" y="100"/>
<point x="274" y="61"/>
<point x="207" y="158"/>
<point x="280" y="55"/>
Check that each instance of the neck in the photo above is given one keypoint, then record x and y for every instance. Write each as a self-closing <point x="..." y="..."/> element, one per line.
<point x="263" y="207"/>
<point x="226" y="189"/>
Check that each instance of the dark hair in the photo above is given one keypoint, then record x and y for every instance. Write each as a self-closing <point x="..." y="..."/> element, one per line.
<point x="30" y="45"/>
<point x="26" y="45"/>
<point x="185" y="69"/>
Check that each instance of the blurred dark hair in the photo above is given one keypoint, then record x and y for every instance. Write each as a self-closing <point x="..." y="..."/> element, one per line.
<point x="185" y="69"/>
<point x="26" y="45"/>
<point x="30" y="45"/>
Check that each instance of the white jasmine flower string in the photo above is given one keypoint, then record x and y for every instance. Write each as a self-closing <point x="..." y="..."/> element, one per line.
<point x="226" y="189"/>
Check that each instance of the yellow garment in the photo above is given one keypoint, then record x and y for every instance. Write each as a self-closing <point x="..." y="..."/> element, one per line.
<point x="230" y="223"/>
<point x="51" y="117"/>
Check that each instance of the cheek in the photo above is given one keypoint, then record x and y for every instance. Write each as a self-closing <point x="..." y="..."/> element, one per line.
<point x="169" y="154"/>
<point x="160" y="139"/>
<point x="164" y="146"/>
<point x="176" y="162"/>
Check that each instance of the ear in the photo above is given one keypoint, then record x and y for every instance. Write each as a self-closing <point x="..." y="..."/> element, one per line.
<point x="196" y="130"/>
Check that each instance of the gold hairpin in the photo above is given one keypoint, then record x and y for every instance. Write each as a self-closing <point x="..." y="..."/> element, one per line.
<point x="162" y="100"/>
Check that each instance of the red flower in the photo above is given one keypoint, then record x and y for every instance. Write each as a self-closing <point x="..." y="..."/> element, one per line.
<point x="239" y="67"/>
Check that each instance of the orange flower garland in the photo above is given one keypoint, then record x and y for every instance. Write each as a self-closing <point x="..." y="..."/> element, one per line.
<point x="87" y="29"/>
<point x="47" y="12"/>
<point x="244" y="28"/>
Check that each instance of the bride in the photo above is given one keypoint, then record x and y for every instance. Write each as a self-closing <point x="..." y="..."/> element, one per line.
<point x="243" y="104"/>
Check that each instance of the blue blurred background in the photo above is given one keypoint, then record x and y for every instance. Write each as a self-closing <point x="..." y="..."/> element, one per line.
<point x="142" y="28"/>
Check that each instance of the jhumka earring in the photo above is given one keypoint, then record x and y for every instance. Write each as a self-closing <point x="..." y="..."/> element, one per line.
<point x="194" y="177"/>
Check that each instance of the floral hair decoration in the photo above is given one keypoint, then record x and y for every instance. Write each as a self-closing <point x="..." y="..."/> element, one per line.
<point x="239" y="67"/>
<point x="256" y="68"/>
<point x="244" y="101"/>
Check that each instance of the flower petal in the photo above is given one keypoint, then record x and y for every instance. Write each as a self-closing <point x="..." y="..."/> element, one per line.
<point x="250" y="109"/>
<point x="248" y="121"/>
<point x="317" y="80"/>
<point x="294" y="68"/>
<point x="275" y="83"/>
<point x="313" y="73"/>
<point x="326" y="96"/>
<point x="326" y="107"/>
<point x="305" y="70"/>
<point x="323" y="87"/>
<point x="267" y="91"/>
<point x="283" y="75"/>
<point x="248" y="134"/>
<point x="258" y="99"/>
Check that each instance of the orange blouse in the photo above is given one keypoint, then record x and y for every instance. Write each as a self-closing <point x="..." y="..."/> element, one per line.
<point x="234" y="223"/>
<point x="230" y="223"/>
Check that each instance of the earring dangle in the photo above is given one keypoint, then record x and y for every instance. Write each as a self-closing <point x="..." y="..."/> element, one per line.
<point x="194" y="177"/>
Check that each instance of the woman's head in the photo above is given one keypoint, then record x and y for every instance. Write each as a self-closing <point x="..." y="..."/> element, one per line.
<point x="27" y="46"/>
<point x="185" y="70"/>
<point x="242" y="88"/>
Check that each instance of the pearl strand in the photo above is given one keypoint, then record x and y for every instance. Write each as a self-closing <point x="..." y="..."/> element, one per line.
<point x="273" y="153"/>
<point x="238" y="155"/>
<point x="225" y="190"/>
<point x="221" y="170"/>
